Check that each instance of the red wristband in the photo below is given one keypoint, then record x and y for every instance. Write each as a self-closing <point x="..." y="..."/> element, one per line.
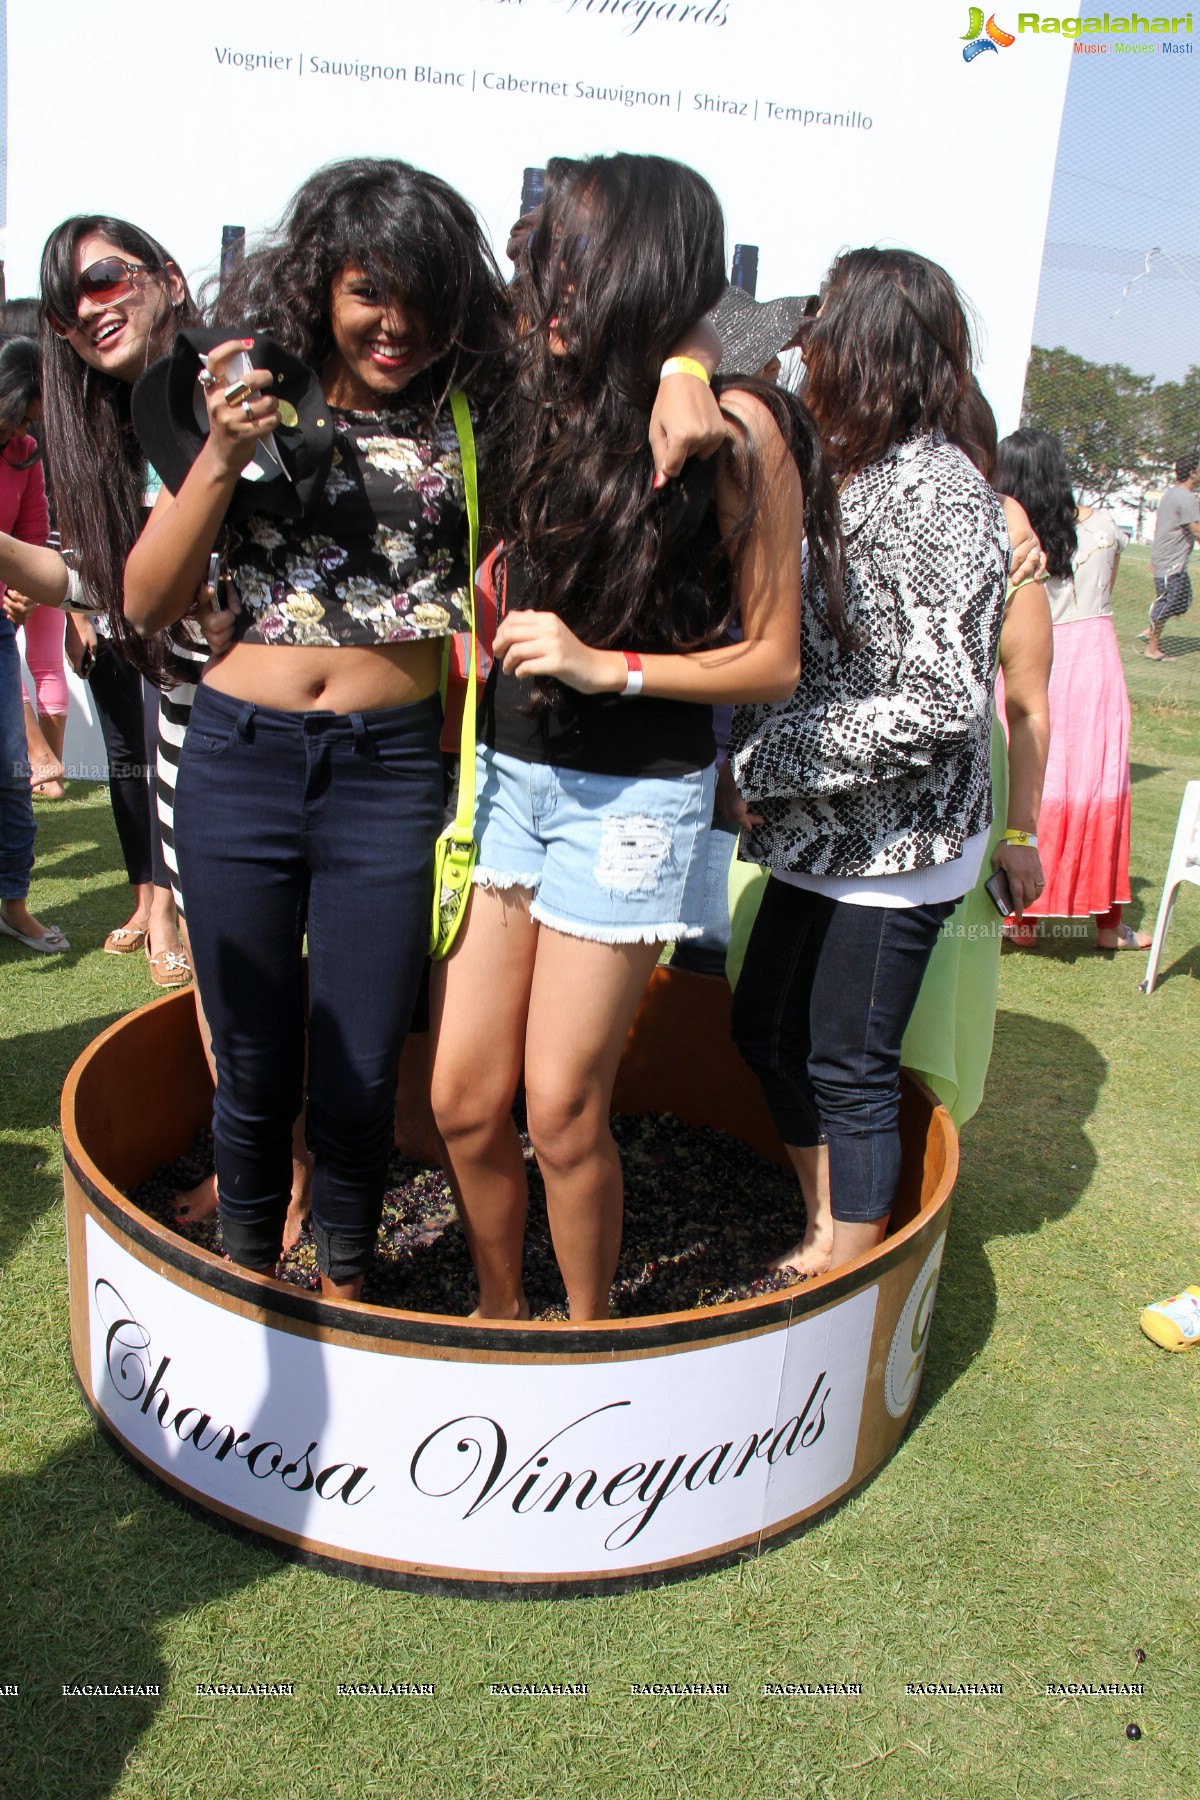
<point x="633" y="677"/>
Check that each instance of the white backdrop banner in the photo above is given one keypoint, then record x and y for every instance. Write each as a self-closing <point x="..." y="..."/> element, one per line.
<point x="821" y="125"/>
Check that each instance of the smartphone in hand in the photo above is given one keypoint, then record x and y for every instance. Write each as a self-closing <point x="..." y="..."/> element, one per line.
<point x="999" y="893"/>
<point x="214" y="581"/>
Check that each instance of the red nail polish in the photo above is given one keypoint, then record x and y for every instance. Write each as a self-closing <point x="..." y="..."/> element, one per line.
<point x="660" y="480"/>
<point x="249" y="343"/>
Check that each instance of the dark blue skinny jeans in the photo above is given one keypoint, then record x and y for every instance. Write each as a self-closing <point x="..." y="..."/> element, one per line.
<point x="17" y="828"/>
<point x="287" y="822"/>
<point x="821" y="1007"/>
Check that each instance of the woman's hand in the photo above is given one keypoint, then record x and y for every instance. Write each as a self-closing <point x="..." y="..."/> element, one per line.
<point x="237" y="425"/>
<point x="686" y="422"/>
<point x="528" y="644"/>
<point x="1028" y="560"/>
<point x="218" y="625"/>
<point x="1023" y="866"/>
<point x="19" y="607"/>
<point x="79" y="644"/>
<point x="730" y="804"/>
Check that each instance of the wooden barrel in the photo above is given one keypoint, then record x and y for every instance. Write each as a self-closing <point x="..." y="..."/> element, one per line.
<point x="414" y="1449"/>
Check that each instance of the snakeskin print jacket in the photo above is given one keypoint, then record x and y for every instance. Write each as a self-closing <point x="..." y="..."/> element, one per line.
<point x="879" y="761"/>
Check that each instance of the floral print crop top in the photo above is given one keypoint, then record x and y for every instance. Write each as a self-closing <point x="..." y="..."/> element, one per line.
<point x="381" y="558"/>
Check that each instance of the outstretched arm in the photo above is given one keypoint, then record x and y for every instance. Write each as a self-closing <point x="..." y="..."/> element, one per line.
<point x="38" y="574"/>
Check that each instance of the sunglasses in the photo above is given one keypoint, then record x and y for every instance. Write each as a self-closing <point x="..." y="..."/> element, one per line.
<point x="107" y="282"/>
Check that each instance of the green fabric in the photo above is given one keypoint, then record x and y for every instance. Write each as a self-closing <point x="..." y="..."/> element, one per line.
<point x="949" y="1037"/>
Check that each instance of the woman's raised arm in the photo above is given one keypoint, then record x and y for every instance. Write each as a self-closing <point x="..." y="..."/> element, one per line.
<point x="169" y="561"/>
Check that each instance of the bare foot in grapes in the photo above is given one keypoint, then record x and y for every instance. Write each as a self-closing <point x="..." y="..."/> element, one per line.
<point x="813" y="1255"/>
<point x="197" y="1203"/>
<point x="517" y="1309"/>
<point x="300" y="1205"/>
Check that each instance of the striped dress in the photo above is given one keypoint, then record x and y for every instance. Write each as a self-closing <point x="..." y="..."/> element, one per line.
<point x="174" y="711"/>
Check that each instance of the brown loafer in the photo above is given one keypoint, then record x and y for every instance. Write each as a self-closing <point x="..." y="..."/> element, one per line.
<point x="169" y="969"/>
<point x="123" y="940"/>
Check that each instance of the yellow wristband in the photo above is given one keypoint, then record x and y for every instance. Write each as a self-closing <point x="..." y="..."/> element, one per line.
<point x="1025" y="840"/>
<point x="684" y="365"/>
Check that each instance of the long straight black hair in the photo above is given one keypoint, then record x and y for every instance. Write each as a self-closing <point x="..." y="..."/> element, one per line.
<point x="98" y="468"/>
<point x="418" y="242"/>
<point x="20" y="389"/>
<point x="1033" y="469"/>
<point x="628" y="256"/>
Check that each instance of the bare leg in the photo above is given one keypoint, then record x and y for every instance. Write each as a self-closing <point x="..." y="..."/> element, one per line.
<point x="163" y="923"/>
<point x="45" y="761"/>
<point x="827" y="1242"/>
<point x="199" y="1202"/>
<point x="17" y="914"/>
<point x="143" y="897"/>
<point x="416" y="1134"/>
<point x="341" y="1290"/>
<point x="582" y="1004"/>
<point x="300" y="1204"/>
<point x="1154" y="649"/>
<point x="479" y="998"/>
<point x="852" y="1238"/>
<point x="811" y="1256"/>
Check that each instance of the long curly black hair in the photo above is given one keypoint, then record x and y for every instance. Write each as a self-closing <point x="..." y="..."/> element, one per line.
<point x="419" y="243"/>
<point x="98" y="470"/>
<point x="1033" y="469"/>
<point x="628" y="256"/>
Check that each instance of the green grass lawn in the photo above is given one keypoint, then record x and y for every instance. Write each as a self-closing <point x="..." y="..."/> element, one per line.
<point x="1038" y="1525"/>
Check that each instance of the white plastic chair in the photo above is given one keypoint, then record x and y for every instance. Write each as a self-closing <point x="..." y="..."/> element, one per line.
<point x="1183" y="866"/>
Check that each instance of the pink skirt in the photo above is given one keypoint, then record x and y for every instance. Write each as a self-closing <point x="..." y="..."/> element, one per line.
<point x="1083" y="827"/>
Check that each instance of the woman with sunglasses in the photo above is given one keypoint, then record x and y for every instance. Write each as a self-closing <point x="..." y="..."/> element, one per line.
<point x="595" y="772"/>
<point x="112" y="300"/>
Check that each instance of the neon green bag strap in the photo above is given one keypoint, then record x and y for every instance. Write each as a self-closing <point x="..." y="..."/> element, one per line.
<point x="464" y="815"/>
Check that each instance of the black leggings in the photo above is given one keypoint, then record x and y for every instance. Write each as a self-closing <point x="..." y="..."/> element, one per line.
<point x="127" y="708"/>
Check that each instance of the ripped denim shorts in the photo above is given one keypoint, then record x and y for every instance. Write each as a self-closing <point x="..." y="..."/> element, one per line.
<point x="619" y="859"/>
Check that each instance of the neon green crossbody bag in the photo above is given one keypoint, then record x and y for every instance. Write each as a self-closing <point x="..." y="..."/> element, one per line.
<point x="454" y="852"/>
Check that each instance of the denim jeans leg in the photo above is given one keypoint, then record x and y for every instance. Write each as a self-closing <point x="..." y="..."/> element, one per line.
<point x="371" y="838"/>
<point x="865" y="985"/>
<point x="772" y="1001"/>
<point x="238" y="837"/>
<point x="17" y="827"/>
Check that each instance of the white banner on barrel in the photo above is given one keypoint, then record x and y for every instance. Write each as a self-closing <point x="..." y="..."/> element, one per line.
<point x="820" y="125"/>
<point x="517" y="1467"/>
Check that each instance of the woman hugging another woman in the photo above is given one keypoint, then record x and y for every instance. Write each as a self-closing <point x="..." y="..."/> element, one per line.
<point x="595" y="771"/>
<point x="310" y="782"/>
<point x="869" y="790"/>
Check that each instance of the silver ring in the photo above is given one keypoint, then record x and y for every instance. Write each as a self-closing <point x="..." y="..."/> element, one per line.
<point x="246" y="409"/>
<point x="208" y="381"/>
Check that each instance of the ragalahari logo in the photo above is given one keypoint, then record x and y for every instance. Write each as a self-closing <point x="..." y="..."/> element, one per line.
<point x="974" y="40"/>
